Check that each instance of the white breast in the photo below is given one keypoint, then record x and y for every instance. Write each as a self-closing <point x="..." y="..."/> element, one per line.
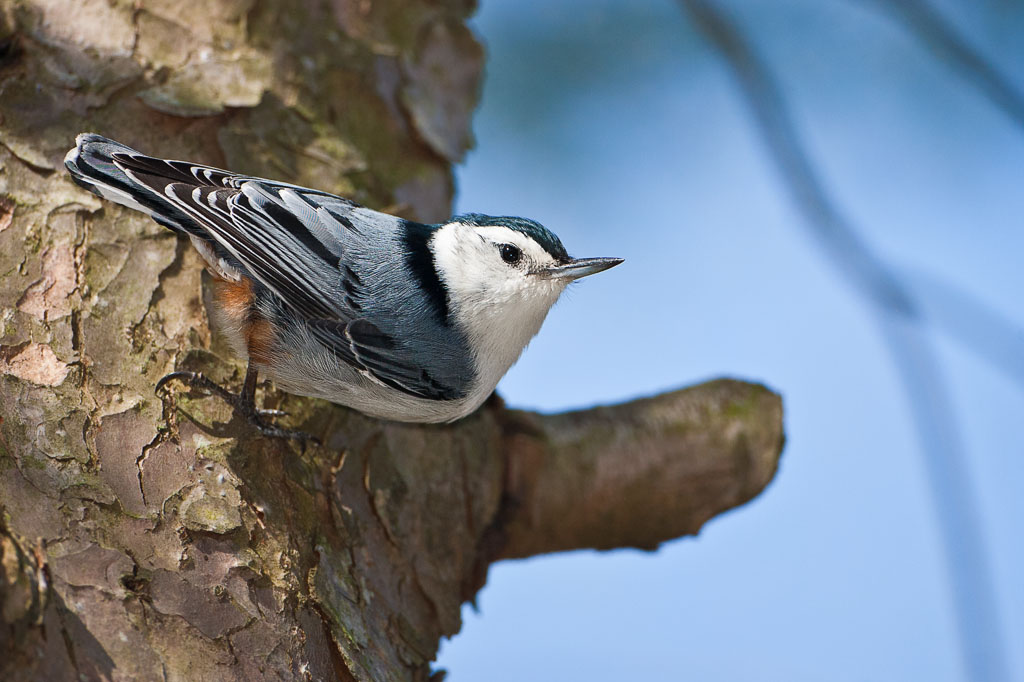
<point x="499" y="308"/>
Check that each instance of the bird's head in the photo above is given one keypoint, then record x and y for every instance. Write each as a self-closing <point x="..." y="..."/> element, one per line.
<point x="498" y="261"/>
<point x="502" y="275"/>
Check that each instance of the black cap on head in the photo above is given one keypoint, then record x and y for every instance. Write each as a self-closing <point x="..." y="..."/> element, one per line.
<point x="531" y="228"/>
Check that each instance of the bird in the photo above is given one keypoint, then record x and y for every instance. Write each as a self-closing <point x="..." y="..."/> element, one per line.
<point x="397" y="319"/>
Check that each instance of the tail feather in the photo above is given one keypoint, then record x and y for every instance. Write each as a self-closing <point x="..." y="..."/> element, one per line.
<point x="91" y="164"/>
<point x="120" y="174"/>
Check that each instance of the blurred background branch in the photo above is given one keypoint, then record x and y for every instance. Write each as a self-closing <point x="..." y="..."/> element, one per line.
<point x="897" y="311"/>
<point x="969" y="320"/>
<point x="941" y="37"/>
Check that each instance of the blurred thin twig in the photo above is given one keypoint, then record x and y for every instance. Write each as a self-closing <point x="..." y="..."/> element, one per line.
<point x="900" y="320"/>
<point x="970" y="321"/>
<point x="942" y="38"/>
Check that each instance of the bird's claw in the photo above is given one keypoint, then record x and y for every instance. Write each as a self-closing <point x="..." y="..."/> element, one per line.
<point x="243" y="404"/>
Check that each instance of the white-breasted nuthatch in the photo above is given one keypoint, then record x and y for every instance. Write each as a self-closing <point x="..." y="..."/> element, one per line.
<point x="397" y="319"/>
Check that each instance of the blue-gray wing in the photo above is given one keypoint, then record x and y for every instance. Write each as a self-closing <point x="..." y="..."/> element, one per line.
<point x="342" y="268"/>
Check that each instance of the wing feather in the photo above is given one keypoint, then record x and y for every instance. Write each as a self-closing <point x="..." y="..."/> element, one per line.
<point x="293" y="241"/>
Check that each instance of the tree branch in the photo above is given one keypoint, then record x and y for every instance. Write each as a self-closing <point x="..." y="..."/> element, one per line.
<point x="639" y="473"/>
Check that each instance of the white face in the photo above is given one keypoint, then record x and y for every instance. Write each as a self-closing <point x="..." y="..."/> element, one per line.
<point x="495" y="290"/>
<point x="493" y="268"/>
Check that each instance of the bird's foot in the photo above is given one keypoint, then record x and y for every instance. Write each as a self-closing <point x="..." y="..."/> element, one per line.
<point x="243" y="403"/>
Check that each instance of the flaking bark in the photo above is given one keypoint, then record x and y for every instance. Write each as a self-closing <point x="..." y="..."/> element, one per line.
<point x="132" y="550"/>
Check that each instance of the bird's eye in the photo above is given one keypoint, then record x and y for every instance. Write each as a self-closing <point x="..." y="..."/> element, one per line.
<point x="510" y="254"/>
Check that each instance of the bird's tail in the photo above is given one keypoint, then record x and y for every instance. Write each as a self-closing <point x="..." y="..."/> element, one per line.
<point x="91" y="164"/>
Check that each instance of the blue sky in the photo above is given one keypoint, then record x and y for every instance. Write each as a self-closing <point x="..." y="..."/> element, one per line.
<point x="612" y="123"/>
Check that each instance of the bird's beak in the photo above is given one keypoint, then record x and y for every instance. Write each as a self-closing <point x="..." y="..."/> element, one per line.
<point x="579" y="267"/>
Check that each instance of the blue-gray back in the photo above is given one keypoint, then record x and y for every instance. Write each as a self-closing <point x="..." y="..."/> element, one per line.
<point x="363" y="282"/>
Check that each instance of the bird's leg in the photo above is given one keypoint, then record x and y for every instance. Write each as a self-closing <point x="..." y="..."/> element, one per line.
<point x="244" y="402"/>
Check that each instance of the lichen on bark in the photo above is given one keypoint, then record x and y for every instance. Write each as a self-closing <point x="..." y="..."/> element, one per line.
<point x="130" y="549"/>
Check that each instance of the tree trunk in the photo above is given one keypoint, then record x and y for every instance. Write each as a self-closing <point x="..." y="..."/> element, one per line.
<point x="142" y="541"/>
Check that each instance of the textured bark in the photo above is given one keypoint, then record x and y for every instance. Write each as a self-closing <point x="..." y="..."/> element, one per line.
<point x="137" y="548"/>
